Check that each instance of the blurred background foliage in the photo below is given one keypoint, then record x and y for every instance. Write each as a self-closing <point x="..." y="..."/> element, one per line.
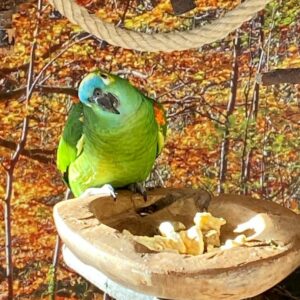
<point x="212" y="103"/>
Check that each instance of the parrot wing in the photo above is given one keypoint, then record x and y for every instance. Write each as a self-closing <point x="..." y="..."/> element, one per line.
<point x="70" y="144"/>
<point x="161" y="120"/>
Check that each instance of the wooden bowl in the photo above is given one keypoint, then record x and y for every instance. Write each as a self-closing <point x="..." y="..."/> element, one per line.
<point x="92" y="229"/>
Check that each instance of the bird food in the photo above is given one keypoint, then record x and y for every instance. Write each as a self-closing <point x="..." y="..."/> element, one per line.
<point x="202" y="237"/>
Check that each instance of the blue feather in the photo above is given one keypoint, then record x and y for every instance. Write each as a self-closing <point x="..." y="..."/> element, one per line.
<point x="87" y="87"/>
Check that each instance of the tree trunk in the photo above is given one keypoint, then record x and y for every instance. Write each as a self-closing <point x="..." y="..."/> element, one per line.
<point x="252" y="115"/>
<point x="229" y="111"/>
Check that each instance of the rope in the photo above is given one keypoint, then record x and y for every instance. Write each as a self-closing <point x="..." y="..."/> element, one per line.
<point x="176" y="40"/>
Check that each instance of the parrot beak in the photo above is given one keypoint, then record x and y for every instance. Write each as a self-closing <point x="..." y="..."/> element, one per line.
<point x="107" y="101"/>
<point x="113" y="110"/>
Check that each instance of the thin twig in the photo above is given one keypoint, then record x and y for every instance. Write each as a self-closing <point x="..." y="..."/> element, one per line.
<point x="60" y="53"/>
<point x="7" y="70"/>
<point x="285" y="293"/>
<point x="121" y="22"/>
<point x="177" y="87"/>
<point x="53" y="268"/>
<point x="12" y="163"/>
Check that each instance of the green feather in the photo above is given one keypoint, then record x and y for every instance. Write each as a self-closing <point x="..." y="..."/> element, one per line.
<point x="67" y="149"/>
<point x="118" y="149"/>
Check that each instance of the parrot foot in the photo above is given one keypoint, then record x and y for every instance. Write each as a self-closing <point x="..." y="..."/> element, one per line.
<point x="139" y="188"/>
<point x="105" y="190"/>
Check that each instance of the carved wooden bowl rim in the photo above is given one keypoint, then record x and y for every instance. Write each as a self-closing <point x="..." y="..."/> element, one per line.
<point x="225" y="274"/>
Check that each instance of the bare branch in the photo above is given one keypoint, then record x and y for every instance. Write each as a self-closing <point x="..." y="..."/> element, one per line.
<point x="177" y="87"/>
<point x="60" y="53"/>
<point x="12" y="94"/>
<point x="121" y="22"/>
<point x="230" y="108"/>
<point x="40" y="155"/>
<point x="57" y="90"/>
<point x="251" y="114"/>
<point x="181" y="111"/>
<point x="12" y="163"/>
<point x="24" y="67"/>
<point x="210" y="116"/>
<point x="134" y="73"/>
<point x="17" y="93"/>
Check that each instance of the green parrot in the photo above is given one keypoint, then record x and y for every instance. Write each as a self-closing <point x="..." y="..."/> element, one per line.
<point x="111" y="138"/>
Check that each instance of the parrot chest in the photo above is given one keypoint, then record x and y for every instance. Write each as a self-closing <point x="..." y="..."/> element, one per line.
<point x="118" y="156"/>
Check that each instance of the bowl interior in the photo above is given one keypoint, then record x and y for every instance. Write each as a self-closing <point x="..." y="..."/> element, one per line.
<point x="144" y="218"/>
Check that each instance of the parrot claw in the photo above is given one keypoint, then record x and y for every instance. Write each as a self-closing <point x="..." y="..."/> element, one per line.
<point x="105" y="190"/>
<point x="139" y="188"/>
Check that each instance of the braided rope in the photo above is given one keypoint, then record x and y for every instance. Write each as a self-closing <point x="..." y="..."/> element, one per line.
<point x="176" y="40"/>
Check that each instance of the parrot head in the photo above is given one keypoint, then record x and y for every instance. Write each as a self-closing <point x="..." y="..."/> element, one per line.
<point x="111" y="97"/>
<point x="94" y="92"/>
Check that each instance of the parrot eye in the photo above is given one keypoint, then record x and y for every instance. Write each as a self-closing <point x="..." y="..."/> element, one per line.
<point x="97" y="93"/>
<point x="104" y="76"/>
